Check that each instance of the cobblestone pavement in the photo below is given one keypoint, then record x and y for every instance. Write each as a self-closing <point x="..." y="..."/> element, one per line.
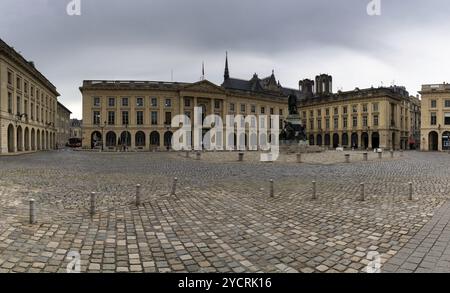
<point x="222" y="218"/>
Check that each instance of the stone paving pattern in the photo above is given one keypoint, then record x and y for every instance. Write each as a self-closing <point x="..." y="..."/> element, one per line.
<point x="222" y="218"/>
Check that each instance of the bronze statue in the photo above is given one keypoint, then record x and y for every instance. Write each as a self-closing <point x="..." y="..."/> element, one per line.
<point x="292" y="101"/>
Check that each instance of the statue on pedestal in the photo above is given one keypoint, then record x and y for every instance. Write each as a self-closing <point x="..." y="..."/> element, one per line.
<point x="293" y="130"/>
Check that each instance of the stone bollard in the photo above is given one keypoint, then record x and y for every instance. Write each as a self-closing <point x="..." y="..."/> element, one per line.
<point x="272" y="189"/>
<point x="198" y="156"/>
<point x="363" y="192"/>
<point x="410" y="191"/>
<point x="92" y="209"/>
<point x="299" y="158"/>
<point x="32" y="211"/>
<point x="138" y="195"/>
<point x="314" y="190"/>
<point x="365" y="157"/>
<point x="380" y="155"/>
<point x="392" y="154"/>
<point x="174" y="186"/>
<point x="187" y="154"/>
<point x="347" y="158"/>
<point x="241" y="157"/>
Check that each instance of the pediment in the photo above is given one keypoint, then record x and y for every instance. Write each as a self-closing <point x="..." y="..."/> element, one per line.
<point x="204" y="86"/>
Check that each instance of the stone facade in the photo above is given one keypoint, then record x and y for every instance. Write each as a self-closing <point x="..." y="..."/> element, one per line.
<point x="360" y="119"/>
<point x="75" y="128"/>
<point x="435" y="130"/>
<point x="62" y="125"/>
<point x="28" y="105"/>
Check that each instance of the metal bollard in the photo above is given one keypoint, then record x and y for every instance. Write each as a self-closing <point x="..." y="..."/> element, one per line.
<point x="314" y="190"/>
<point x="32" y="211"/>
<point x="410" y="191"/>
<point x="299" y="158"/>
<point x="92" y="210"/>
<point x="272" y="190"/>
<point x="380" y="155"/>
<point x="365" y="157"/>
<point x="174" y="186"/>
<point x="241" y="157"/>
<point x="347" y="158"/>
<point x="199" y="156"/>
<point x="138" y="195"/>
<point x="363" y="193"/>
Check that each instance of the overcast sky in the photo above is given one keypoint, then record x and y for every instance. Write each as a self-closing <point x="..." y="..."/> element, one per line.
<point x="408" y="43"/>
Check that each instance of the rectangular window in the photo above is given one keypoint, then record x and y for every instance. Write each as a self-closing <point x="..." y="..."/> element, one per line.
<point x="125" y="103"/>
<point x="253" y="109"/>
<point x="25" y="107"/>
<point x="281" y="112"/>
<point x="327" y="112"/>
<point x="433" y="104"/>
<point x="140" y="118"/>
<point x="447" y="103"/>
<point x="336" y="123"/>
<point x="111" y="118"/>
<point x="311" y="124"/>
<point x="355" y="108"/>
<point x="243" y="108"/>
<point x="139" y="102"/>
<point x="19" y="104"/>
<point x="365" y="108"/>
<point x="319" y="112"/>
<point x="375" y="120"/>
<point x="32" y="111"/>
<point x="345" y="110"/>
<point x="125" y="118"/>
<point x="168" y="118"/>
<point x="319" y="124"/>
<point x="272" y="111"/>
<point x="96" y="120"/>
<point x="433" y="119"/>
<point x="168" y="103"/>
<point x="19" y="83"/>
<point x="263" y="110"/>
<point x="375" y="107"/>
<point x="187" y="102"/>
<point x="447" y="118"/>
<point x="336" y="111"/>
<point x="96" y="102"/>
<point x="10" y="78"/>
<point x="345" y="122"/>
<point x="25" y="87"/>
<point x="111" y="102"/>
<point x="232" y="107"/>
<point x="154" y="102"/>
<point x="365" y="124"/>
<point x="311" y="114"/>
<point x="10" y="103"/>
<point x="327" y="123"/>
<point x="154" y="118"/>
<point x="217" y="104"/>
<point x="32" y="91"/>
<point x="355" y="121"/>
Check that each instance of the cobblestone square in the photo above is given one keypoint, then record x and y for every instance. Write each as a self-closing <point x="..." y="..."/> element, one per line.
<point x="222" y="217"/>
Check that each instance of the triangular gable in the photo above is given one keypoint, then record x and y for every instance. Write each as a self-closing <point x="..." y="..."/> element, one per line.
<point x="204" y="86"/>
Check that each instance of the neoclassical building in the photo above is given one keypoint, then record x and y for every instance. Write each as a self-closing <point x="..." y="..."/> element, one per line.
<point x="361" y="119"/>
<point x="63" y="124"/>
<point x="435" y="117"/>
<point x="138" y="114"/>
<point x="28" y="105"/>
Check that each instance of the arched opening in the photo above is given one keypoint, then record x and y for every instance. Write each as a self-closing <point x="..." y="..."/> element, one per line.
<point x="394" y="138"/>
<point x="111" y="139"/>
<point x="355" y="140"/>
<point x="446" y="141"/>
<point x="433" y="139"/>
<point x="319" y="140"/>
<point x="33" y="139"/>
<point x="365" y="140"/>
<point x="43" y="140"/>
<point x="327" y="140"/>
<point x="140" y="139"/>
<point x="19" y="141"/>
<point x="38" y="140"/>
<point x="345" y="140"/>
<point x="168" y="139"/>
<point x="311" y="139"/>
<point x="125" y="139"/>
<point x="154" y="138"/>
<point x="375" y="140"/>
<point x="11" y="138"/>
<point x="27" y="139"/>
<point x="47" y="141"/>
<point x="335" y="140"/>
<point x="96" y="139"/>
